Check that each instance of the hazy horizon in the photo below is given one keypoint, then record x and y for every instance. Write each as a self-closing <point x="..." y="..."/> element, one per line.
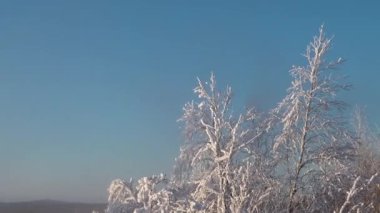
<point x="91" y="90"/>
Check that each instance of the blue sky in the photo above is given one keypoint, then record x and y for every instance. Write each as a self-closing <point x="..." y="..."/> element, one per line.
<point x="90" y="91"/>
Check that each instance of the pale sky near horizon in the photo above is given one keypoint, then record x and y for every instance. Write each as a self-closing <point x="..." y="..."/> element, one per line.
<point x="90" y="91"/>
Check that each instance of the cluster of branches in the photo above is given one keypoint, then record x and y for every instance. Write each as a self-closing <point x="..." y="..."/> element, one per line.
<point x="302" y="156"/>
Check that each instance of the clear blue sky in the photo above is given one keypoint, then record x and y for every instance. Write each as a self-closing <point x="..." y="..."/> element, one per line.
<point x="90" y="91"/>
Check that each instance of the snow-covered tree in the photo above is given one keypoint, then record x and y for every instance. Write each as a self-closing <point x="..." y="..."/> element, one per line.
<point x="313" y="142"/>
<point x="360" y="198"/>
<point x="217" y="156"/>
<point x="122" y="197"/>
<point x="366" y="166"/>
<point x="149" y="195"/>
<point x="145" y="196"/>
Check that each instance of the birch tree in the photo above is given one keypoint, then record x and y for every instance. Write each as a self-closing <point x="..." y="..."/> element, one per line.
<point x="217" y="144"/>
<point x="313" y="141"/>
